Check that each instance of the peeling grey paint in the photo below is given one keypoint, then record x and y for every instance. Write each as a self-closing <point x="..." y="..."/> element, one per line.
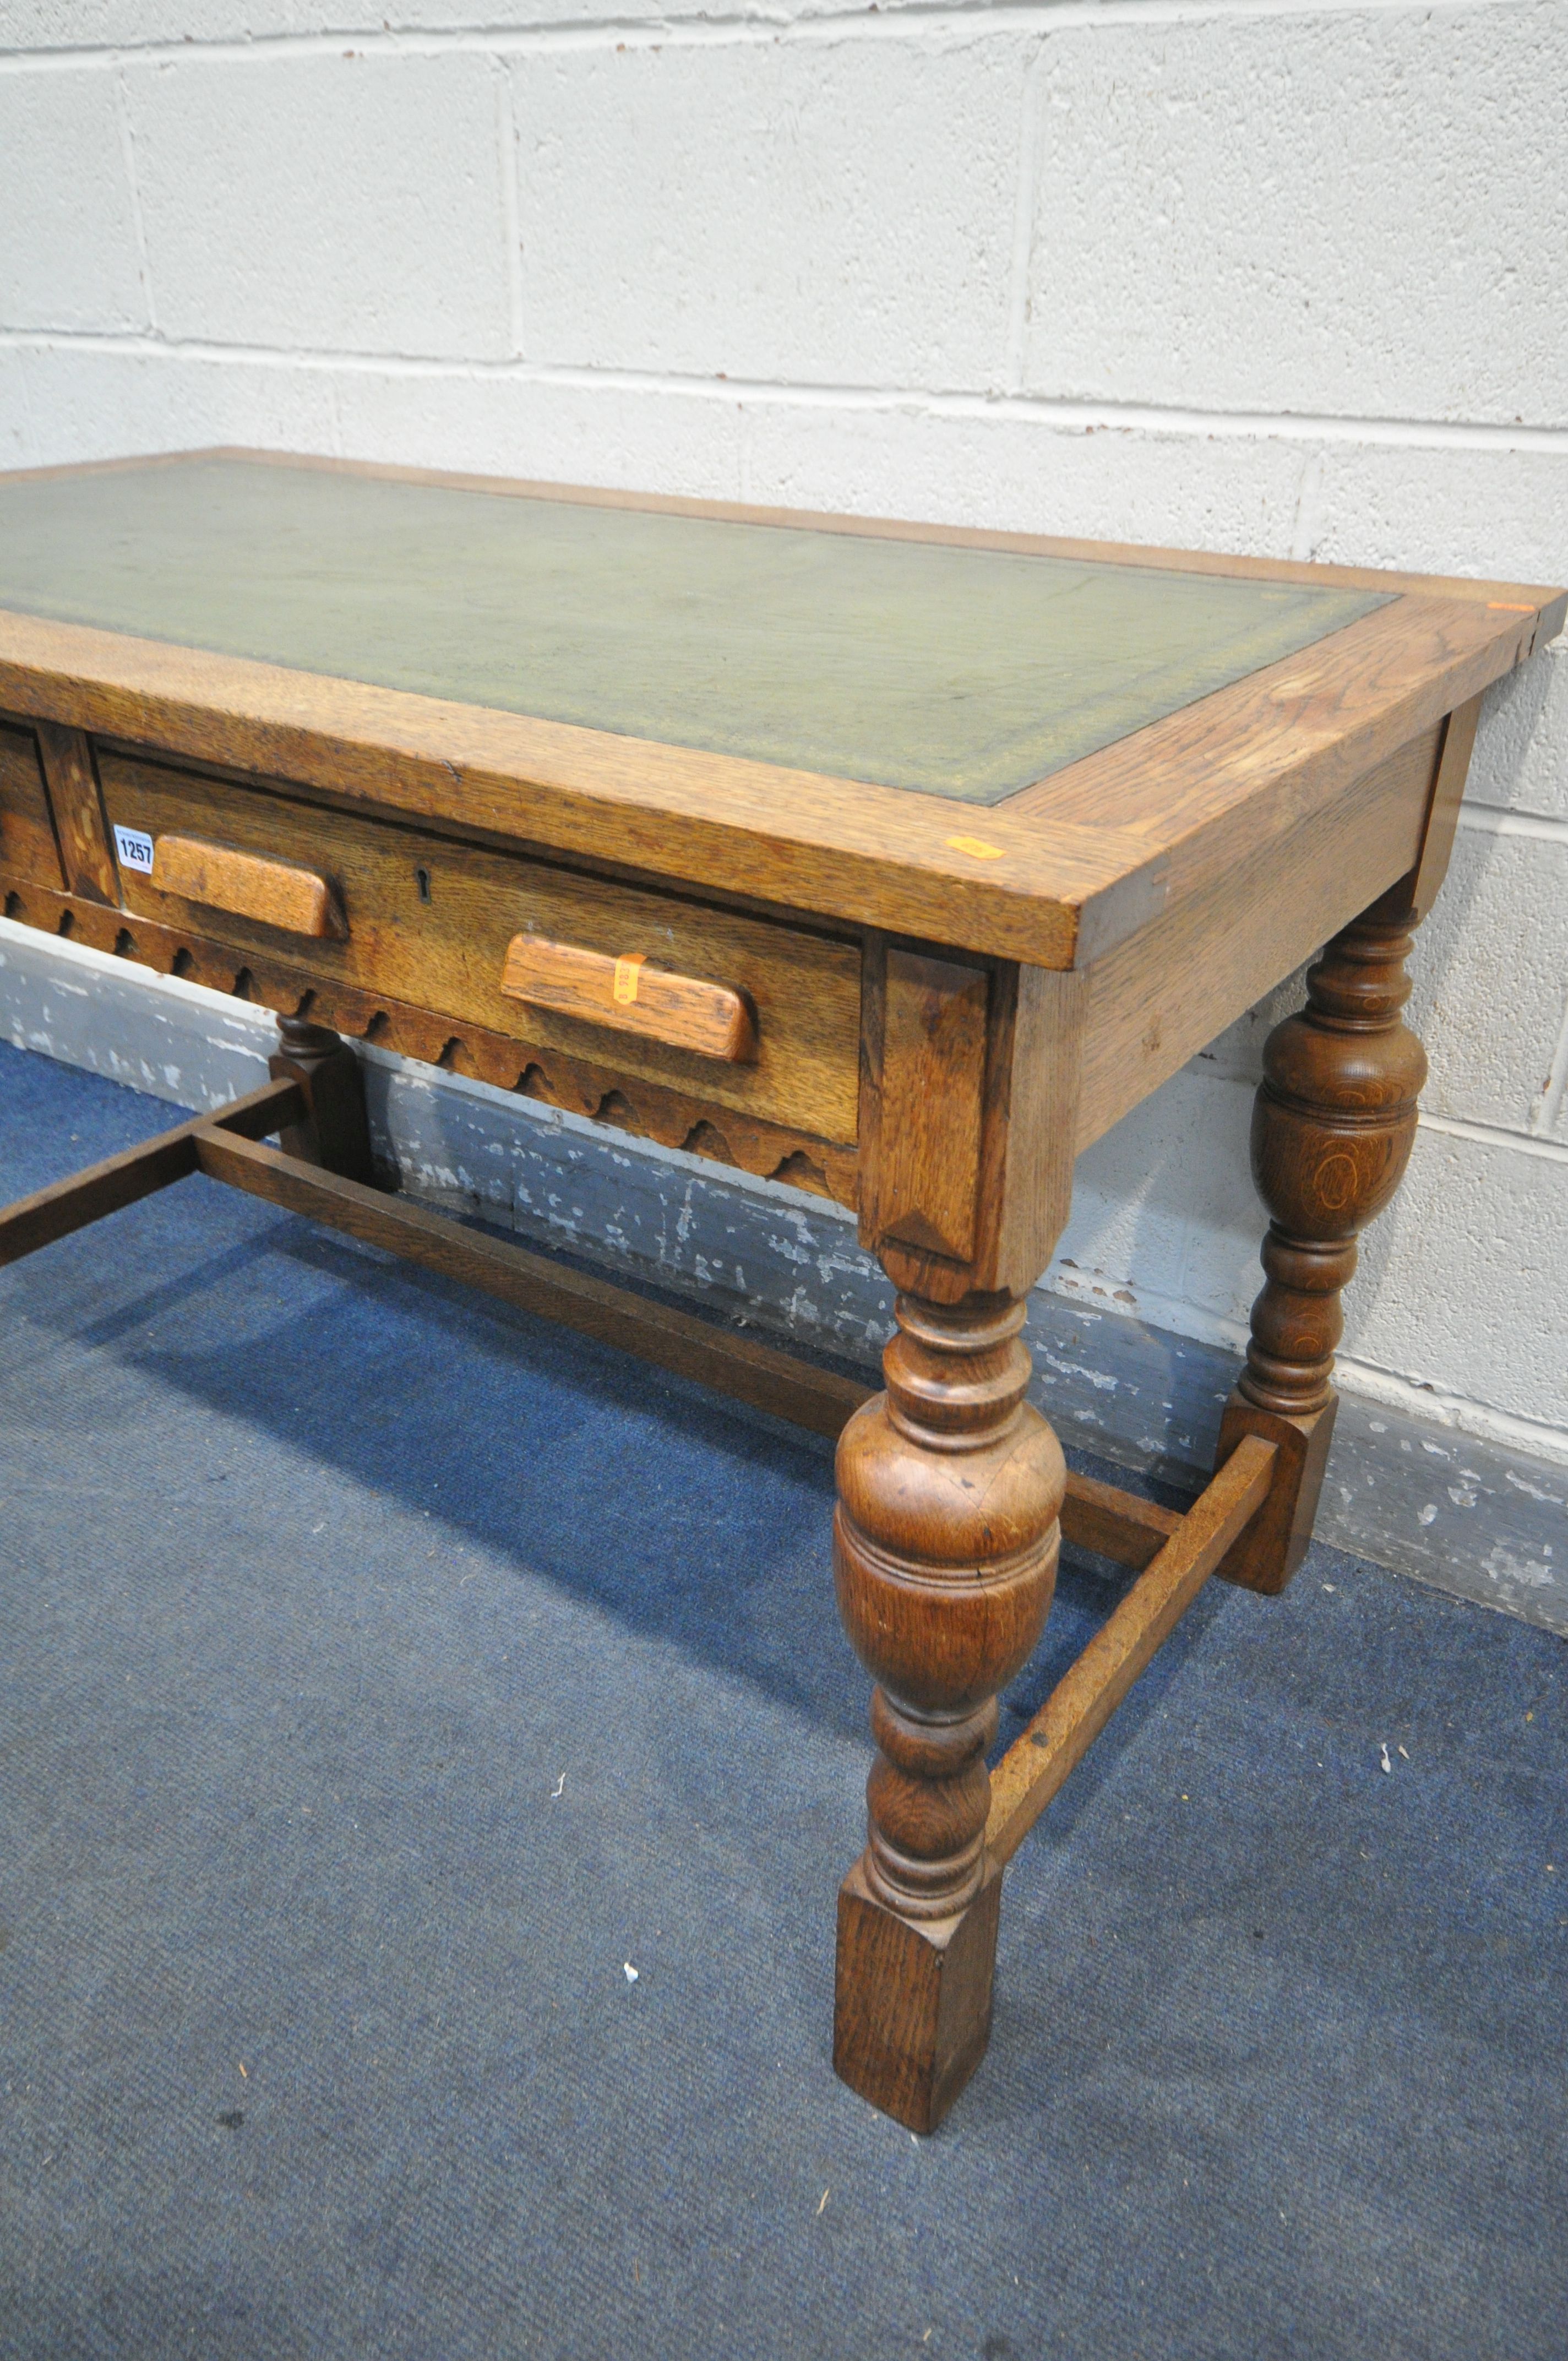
<point x="1472" y="1518"/>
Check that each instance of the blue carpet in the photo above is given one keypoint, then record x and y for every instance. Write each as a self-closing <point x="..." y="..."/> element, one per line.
<point x="380" y="1672"/>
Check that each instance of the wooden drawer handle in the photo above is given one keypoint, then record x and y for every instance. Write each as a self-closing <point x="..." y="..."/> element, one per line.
<point x="681" y="1010"/>
<point x="280" y="894"/>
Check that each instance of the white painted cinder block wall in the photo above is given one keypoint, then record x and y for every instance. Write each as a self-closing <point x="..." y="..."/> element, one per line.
<point x="1256" y="277"/>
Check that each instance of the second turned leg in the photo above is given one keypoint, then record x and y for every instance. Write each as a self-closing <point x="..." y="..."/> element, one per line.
<point x="1333" y="1128"/>
<point x="944" y="1554"/>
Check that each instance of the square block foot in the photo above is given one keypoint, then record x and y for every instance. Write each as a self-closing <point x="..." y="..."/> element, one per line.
<point x="1268" y="1554"/>
<point x="912" y="2013"/>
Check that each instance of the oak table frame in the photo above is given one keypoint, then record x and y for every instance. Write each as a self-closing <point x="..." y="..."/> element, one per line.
<point x="923" y="1004"/>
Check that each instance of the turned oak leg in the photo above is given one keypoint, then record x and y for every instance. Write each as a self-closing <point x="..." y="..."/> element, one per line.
<point x="1332" y="1134"/>
<point x="336" y="1133"/>
<point x="945" y="1556"/>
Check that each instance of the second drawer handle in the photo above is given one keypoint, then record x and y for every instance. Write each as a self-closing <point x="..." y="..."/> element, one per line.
<point x="685" y="1012"/>
<point x="283" y="894"/>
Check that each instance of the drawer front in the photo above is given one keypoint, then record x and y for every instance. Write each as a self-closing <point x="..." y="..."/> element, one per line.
<point x="27" y="847"/>
<point x="414" y="917"/>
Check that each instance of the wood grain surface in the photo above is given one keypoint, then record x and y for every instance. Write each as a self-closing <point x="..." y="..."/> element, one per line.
<point x="845" y="851"/>
<point x="234" y="883"/>
<point x="430" y="923"/>
<point x="1066" y="869"/>
<point x="607" y="1094"/>
<point x="35" y="1221"/>
<point x="67" y="758"/>
<point x="1115" y="1524"/>
<point x="1442" y="813"/>
<point x="1333" y="1124"/>
<point x="628" y="992"/>
<point x="948" y="1000"/>
<point x="945" y="1546"/>
<point x="967" y="1140"/>
<point x="27" y="847"/>
<point x="931" y="1094"/>
<point x="649" y="1331"/>
<point x="1083" y="1701"/>
<point x="1156" y="1000"/>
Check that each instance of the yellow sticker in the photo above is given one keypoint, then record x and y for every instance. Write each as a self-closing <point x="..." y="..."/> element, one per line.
<point x="625" y="985"/>
<point x="975" y="846"/>
<point x="1506" y="607"/>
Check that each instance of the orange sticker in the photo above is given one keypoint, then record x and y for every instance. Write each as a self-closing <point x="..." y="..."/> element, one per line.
<point x="625" y="985"/>
<point x="975" y="846"/>
<point x="1506" y="607"/>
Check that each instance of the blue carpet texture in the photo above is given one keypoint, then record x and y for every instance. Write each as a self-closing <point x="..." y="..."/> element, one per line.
<point x="383" y="1675"/>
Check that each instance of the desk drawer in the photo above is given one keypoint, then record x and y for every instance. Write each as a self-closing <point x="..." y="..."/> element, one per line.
<point x="613" y="974"/>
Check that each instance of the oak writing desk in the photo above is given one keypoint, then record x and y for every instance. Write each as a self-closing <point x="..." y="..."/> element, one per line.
<point x="897" y="862"/>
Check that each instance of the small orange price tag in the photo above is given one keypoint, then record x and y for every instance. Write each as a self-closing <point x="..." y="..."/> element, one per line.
<point x="1507" y="607"/>
<point x="975" y="846"/>
<point x="625" y="984"/>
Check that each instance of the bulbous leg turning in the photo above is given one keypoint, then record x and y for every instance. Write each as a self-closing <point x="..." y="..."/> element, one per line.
<point x="1332" y="1134"/>
<point x="944" y="1553"/>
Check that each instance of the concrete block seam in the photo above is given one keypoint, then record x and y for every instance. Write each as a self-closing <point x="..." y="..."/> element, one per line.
<point x="769" y="24"/>
<point x="129" y="151"/>
<point x="1415" y="435"/>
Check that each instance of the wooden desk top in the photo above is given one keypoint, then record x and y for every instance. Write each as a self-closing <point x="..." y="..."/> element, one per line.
<point x="968" y="673"/>
<point x="1014" y="745"/>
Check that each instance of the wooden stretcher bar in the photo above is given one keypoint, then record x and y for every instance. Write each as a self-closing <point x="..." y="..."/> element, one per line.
<point x="65" y="1205"/>
<point x="1083" y="1700"/>
<point x="1174" y="1553"/>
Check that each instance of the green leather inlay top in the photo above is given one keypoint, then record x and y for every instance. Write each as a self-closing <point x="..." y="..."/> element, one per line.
<point x="955" y="672"/>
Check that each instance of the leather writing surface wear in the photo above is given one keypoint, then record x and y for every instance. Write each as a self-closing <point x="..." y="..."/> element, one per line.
<point x="959" y="672"/>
